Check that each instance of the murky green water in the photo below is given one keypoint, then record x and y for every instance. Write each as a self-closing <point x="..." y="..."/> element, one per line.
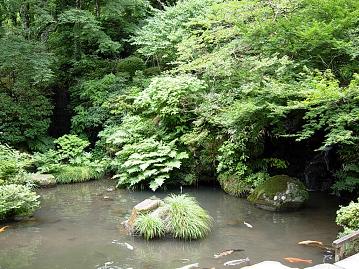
<point x="76" y="228"/>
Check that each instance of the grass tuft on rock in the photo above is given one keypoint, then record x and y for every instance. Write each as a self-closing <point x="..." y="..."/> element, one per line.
<point x="149" y="226"/>
<point x="187" y="219"/>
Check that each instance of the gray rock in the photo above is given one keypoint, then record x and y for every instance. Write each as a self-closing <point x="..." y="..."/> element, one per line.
<point x="42" y="180"/>
<point x="147" y="205"/>
<point x="323" y="266"/>
<point x="268" y="265"/>
<point x="279" y="193"/>
<point x="143" y="207"/>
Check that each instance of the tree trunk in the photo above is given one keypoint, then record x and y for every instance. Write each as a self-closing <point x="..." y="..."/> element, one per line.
<point x="97" y="8"/>
<point x="78" y="4"/>
<point x="25" y="12"/>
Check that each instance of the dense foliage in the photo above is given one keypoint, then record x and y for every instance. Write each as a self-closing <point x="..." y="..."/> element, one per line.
<point x="347" y="218"/>
<point x="173" y="94"/>
<point x="17" y="200"/>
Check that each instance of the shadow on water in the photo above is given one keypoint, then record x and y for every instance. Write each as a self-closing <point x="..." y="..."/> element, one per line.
<point x="76" y="228"/>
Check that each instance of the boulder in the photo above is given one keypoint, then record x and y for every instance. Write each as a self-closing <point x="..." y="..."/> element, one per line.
<point x="268" y="265"/>
<point x="279" y="193"/>
<point x="143" y="207"/>
<point x="42" y="180"/>
<point x="234" y="185"/>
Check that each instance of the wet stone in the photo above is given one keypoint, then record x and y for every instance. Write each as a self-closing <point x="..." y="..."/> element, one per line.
<point x="268" y="265"/>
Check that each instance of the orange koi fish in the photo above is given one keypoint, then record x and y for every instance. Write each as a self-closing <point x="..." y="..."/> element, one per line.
<point x="297" y="260"/>
<point x="2" y="229"/>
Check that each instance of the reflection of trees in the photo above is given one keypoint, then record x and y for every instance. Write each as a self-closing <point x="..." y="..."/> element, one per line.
<point x="19" y="249"/>
<point x="68" y="200"/>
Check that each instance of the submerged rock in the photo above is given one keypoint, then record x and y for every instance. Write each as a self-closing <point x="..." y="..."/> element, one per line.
<point x="268" y="265"/>
<point x="279" y="193"/>
<point x="42" y="180"/>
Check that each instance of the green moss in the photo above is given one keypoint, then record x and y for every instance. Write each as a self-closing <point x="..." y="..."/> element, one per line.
<point x="233" y="185"/>
<point x="272" y="186"/>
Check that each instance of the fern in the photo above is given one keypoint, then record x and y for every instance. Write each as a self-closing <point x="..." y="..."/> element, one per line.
<point x="149" y="161"/>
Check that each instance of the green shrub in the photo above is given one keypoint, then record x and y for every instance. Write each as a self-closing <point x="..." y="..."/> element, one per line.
<point x="130" y="65"/>
<point x="187" y="219"/>
<point x="17" y="200"/>
<point x="70" y="146"/>
<point x="72" y="174"/>
<point x="13" y="165"/>
<point x="149" y="161"/>
<point x="149" y="226"/>
<point x="348" y="218"/>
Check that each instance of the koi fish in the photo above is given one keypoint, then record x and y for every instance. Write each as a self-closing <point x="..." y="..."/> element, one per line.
<point x="190" y="266"/>
<point x="127" y="245"/>
<point x="297" y="260"/>
<point x="2" y="229"/>
<point x="236" y="262"/>
<point x="247" y="224"/>
<point x="226" y="252"/>
<point x="310" y="242"/>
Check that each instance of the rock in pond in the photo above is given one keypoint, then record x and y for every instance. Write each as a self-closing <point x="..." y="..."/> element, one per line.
<point x="143" y="207"/>
<point x="279" y="193"/>
<point x="42" y="180"/>
<point x="177" y="216"/>
<point x="268" y="265"/>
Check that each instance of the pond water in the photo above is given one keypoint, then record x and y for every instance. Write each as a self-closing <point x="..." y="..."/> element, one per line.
<point x="77" y="228"/>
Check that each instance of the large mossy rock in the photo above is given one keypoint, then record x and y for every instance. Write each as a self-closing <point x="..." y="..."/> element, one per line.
<point x="233" y="185"/>
<point x="279" y="193"/>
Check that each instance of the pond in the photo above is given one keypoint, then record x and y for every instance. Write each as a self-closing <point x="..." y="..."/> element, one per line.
<point x="77" y="227"/>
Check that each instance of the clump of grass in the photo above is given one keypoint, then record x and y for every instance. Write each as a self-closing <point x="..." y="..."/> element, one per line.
<point x="149" y="226"/>
<point x="71" y="174"/>
<point x="187" y="219"/>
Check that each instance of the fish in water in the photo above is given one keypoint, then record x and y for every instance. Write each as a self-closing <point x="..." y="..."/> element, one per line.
<point x="2" y="229"/>
<point x="310" y="242"/>
<point x="127" y="245"/>
<point x="313" y="243"/>
<point x="190" y="266"/>
<point x="297" y="260"/>
<point x="237" y="262"/>
<point x="248" y="224"/>
<point x="226" y="252"/>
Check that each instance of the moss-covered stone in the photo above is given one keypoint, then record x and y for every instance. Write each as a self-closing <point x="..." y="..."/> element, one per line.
<point x="279" y="193"/>
<point x="233" y="185"/>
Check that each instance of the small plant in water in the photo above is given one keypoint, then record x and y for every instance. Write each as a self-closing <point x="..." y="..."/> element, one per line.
<point x="149" y="226"/>
<point x="187" y="219"/>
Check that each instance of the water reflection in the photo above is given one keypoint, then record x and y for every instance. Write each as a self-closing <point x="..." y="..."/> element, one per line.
<point x="76" y="226"/>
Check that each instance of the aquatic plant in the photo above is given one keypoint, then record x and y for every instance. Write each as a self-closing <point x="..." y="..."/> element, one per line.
<point x="149" y="226"/>
<point x="72" y="173"/>
<point x="187" y="219"/>
<point x="17" y="200"/>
